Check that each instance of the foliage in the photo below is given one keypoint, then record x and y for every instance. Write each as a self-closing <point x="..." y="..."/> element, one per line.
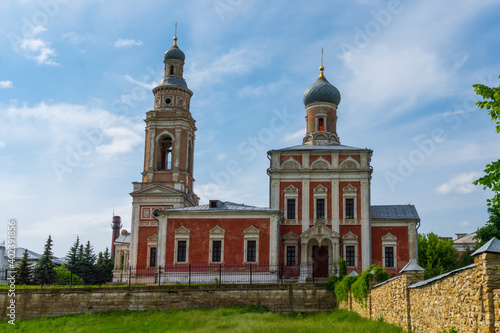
<point x="343" y="286"/>
<point x="491" y="178"/>
<point x="64" y="277"/>
<point x="237" y="319"/>
<point x="339" y="271"/>
<point x="435" y="255"/>
<point x="73" y="256"/>
<point x="104" y="267"/>
<point x="24" y="270"/>
<point x="490" y="229"/>
<point x="360" y="287"/>
<point x="44" y="272"/>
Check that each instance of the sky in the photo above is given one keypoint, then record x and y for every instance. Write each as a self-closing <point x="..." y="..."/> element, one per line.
<point x="76" y="80"/>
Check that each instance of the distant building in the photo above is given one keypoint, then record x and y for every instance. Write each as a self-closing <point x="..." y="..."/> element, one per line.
<point x="465" y="242"/>
<point x="320" y="198"/>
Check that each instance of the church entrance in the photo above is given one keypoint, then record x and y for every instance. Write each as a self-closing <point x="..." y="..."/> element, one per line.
<point x="320" y="261"/>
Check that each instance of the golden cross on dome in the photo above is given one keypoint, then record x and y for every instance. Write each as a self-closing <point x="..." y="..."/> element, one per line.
<point x="321" y="68"/>
<point x="175" y="35"/>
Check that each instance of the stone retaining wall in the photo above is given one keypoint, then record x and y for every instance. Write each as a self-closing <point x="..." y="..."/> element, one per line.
<point x="32" y="303"/>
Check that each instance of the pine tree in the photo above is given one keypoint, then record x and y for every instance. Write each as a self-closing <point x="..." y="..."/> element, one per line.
<point x="73" y="256"/>
<point x="104" y="267"/>
<point x="86" y="259"/>
<point x="44" y="272"/>
<point x="24" y="270"/>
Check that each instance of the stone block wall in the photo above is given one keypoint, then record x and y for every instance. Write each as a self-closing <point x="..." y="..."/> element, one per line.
<point x="32" y="303"/>
<point x="496" y="300"/>
<point x="390" y="302"/>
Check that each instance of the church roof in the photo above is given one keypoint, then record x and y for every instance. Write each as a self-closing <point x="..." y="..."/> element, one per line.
<point x="124" y="238"/>
<point x="226" y="205"/>
<point x="175" y="53"/>
<point x="331" y="147"/>
<point x="321" y="91"/>
<point x="394" y="212"/>
<point x="173" y="81"/>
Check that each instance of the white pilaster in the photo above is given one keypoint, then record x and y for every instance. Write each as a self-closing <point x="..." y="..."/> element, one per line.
<point x="162" y="240"/>
<point x="335" y="206"/>
<point x="365" y="225"/>
<point x="134" y="234"/>
<point x="305" y="205"/>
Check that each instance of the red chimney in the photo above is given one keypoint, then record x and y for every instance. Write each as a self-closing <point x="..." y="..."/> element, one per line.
<point x="116" y="226"/>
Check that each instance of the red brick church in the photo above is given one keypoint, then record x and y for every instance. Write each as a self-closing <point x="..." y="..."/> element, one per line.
<point x="319" y="198"/>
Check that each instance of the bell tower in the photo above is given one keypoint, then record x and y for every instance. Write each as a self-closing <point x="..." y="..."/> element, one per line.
<point x="167" y="178"/>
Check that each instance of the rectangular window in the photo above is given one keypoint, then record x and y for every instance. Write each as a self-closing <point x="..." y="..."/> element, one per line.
<point x="389" y="256"/>
<point x="181" y="251"/>
<point x="349" y="208"/>
<point x="321" y="124"/>
<point x="349" y="255"/>
<point x="216" y="251"/>
<point x="251" y="251"/>
<point x="152" y="257"/>
<point x="320" y="208"/>
<point x="290" y="209"/>
<point x="290" y="255"/>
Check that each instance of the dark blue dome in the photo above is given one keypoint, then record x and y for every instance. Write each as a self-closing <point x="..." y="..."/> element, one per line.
<point x="173" y="81"/>
<point x="175" y="53"/>
<point x="321" y="91"/>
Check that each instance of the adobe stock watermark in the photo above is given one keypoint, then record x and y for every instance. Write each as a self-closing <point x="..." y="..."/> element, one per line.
<point x="373" y="28"/>
<point x="11" y="279"/>
<point x="225" y="6"/>
<point x="248" y="149"/>
<point x="47" y="9"/>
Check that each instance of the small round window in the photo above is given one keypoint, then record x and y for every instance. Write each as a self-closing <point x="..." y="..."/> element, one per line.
<point x="168" y="101"/>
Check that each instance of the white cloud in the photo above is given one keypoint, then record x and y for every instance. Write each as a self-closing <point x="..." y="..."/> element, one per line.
<point x="459" y="184"/>
<point x="146" y="85"/>
<point x="464" y="224"/>
<point x="39" y="29"/>
<point x="295" y="135"/>
<point x="127" y="42"/>
<point x="2" y="144"/>
<point x="122" y="141"/>
<point x="39" y="50"/>
<point x="5" y="84"/>
<point x="73" y="37"/>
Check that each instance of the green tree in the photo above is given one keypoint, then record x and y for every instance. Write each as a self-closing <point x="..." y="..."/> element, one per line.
<point x="490" y="229"/>
<point x="44" y="272"/>
<point x="85" y="263"/>
<point x="436" y="256"/>
<point x="491" y="178"/>
<point x="104" y="267"/>
<point x="24" y="270"/>
<point x="73" y="256"/>
<point x="64" y="277"/>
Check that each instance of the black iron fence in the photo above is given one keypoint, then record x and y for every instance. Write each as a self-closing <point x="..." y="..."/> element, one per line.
<point x="220" y="274"/>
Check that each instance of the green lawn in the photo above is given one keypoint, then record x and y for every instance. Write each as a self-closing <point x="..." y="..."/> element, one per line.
<point x="245" y="319"/>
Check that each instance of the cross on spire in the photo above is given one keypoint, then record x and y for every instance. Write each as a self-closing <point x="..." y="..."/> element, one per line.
<point x="321" y="68"/>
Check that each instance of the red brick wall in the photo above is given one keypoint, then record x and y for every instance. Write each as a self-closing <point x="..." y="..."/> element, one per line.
<point x="328" y="200"/>
<point x="355" y="229"/>
<point x="402" y="249"/>
<point x="142" y="248"/>
<point x="357" y="185"/>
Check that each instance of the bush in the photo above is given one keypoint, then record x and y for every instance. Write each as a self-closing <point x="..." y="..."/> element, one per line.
<point x="339" y="271"/>
<point x="343" y="286"/>
<point x="64" y="277"/>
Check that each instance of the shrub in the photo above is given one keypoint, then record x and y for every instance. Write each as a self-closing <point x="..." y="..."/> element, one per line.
<point x="64" y="277"/>
<point x="343" y="286"/>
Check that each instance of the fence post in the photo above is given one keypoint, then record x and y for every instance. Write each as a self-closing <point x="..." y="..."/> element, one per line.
<point x="189" y="274"/>
<point x="220" y="273"/>
<point x="159" y="275"/>
<point x="71" y="279"/>
<point x="250" y="273"/>
<point x="129" y="274"/>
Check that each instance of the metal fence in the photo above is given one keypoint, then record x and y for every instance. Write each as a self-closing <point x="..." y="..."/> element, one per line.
<point x="219" y="274"/>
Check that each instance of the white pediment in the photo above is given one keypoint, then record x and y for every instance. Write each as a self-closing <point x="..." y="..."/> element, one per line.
<point x="349" y="189"/>
<point x="290" y="236"/>
<point x="217" y="231"/>
<point x="349" y="163"/>
<point x="320" y="164"/>
<point x="157" y="190"/>
<point x="389" y="238"/>
<point x="152" y="238"/>
<point x="251" y="230"/>
<point x="182" y="230"/>
<point x="320" y="189"/>
<point x="290" y="164"/>
<point x="319" y="231"/>
<point x="291" y="189"/>
<point x="350" y="236"/>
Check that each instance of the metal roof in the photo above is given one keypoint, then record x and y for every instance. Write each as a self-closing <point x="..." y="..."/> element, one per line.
<point x="493" y="246"/>
<point x="412" y="266"/>
<point x="466" y="240"/>
<point x="394" y="212"/>
<point x="391" y="279"/>
<point x="32" y="256"/>
<point x="331" y="147"/>
<point x="226" y="205"/>
<point x="321" y="91"/>
<point x="123" y="239"/>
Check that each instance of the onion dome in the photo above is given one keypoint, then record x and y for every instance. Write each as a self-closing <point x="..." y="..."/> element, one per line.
<point x="321" y="91"/>
<point x="174" y="52"/>
<point x="173" y="81"/>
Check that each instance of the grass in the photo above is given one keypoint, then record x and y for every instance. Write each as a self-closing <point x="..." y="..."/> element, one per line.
<point x="237" y="319"/>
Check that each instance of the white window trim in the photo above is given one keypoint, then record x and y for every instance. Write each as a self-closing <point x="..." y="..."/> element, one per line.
<point x="350" y="239"/>
<point x="350" y="192"/>
<point x="182" y="234"/>
<point x="291" y="239"/>
<point x="151" y="241"/>
<point x="291" y="192"/>
<point x="251" y="234"/>
<point x="390" y="240"/>
<point x="320" y="192"/>
<point x="216" y="234"/>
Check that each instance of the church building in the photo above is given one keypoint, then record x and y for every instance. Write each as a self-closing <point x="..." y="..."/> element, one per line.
<point x="319" y="210"/>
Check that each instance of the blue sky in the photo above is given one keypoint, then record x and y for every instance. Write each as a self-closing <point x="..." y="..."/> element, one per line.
<point x="76" y="80"/>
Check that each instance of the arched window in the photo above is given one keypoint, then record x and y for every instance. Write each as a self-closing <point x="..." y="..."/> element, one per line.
<point x="321" y="124"/>
<point x="190" y="158"/>
<point x="165" y="146"/>
<point x="171" y="70"/>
